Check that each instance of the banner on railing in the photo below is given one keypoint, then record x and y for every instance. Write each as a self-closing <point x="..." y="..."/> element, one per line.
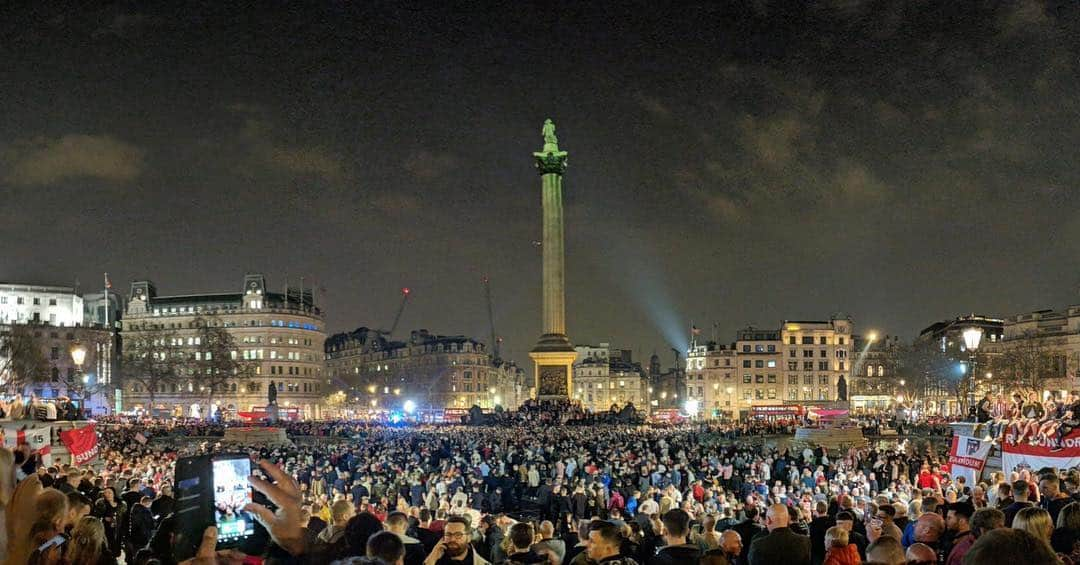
<point x="967" y="457"/>
<point x="1034" y="453"/>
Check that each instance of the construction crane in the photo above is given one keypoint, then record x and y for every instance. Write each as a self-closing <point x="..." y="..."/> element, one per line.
<point x="401" y="309"/>
<point x="495" y="340"/>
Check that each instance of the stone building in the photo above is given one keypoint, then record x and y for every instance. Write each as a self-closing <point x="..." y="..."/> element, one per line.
<point x="711" y="371"/>
<point x="280" y="334"/>
<point x="1048" y="343"/>
<point x="56" y="319"/>
<point x="945" y="338"/>
<point x="876" y="380"/>
<point x="606" y="377"/>
<point x="432" y="371"/>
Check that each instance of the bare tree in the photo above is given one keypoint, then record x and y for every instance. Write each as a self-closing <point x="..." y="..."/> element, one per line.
<point x="152" y="359"/>
<point x="22" y="360"/>
<point x="217" y="366"/>
<point x="926" y="369"/>
<point x="1029" y="362"/>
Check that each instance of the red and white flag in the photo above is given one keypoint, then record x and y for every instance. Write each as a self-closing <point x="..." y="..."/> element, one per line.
<point x="1034" y="454"/>
<point x="39" y="439"/>
<point x="967" y="457"/>
<point x="82" y="443"/>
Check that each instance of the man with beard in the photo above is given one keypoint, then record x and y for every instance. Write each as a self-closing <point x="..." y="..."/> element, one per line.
<point x="454" y="549"/>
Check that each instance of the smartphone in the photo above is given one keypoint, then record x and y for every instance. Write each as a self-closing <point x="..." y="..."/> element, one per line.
<point x="232" y="493"/>
<point x="51" y="543"/>
<point x="211" y="490"/>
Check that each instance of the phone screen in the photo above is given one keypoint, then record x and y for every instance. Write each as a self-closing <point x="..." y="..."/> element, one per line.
<point x="231" y="493"/>
<point x="53" y="542"/>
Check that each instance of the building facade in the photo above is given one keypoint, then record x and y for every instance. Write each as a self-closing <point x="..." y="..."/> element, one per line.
<point x="711" y="371"/>
<point x="941" y="392"/>
<point x="1041" y="351"/>
<point x="58" y="306"/>
<point x="877" y="383"/>
<point x="606" y="378"/>
<point x="54" y="316"/>
<point x="280" y="335"/>
<point x="432" y="371"/>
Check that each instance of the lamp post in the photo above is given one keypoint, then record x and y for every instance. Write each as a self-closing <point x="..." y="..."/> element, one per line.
<point x="78" y="355"/>
<point x="731" y="408"/>
<point x="972" y="338"/>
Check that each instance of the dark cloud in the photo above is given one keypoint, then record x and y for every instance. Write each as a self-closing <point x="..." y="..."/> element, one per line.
<point x="736" y="162"/>
<point x="45" y="161"/>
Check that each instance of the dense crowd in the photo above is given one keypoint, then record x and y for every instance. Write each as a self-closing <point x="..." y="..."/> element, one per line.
<point x="531" y="490"/>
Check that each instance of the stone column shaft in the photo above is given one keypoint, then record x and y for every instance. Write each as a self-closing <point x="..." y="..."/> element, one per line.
<point x="554" y="277"/>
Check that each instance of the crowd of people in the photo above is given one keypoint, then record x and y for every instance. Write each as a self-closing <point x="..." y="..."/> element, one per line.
<point x="518" y="492"/>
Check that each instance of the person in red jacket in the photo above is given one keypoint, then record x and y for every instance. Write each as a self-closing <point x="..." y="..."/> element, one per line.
<point x="840" y="552"/>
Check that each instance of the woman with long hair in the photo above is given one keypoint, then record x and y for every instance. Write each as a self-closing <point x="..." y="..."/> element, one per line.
<point x="110" y="509"/>
<point x="87" y="545"/>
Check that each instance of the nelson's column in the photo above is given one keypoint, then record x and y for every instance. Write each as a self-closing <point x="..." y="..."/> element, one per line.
<point x="554" y="354"/>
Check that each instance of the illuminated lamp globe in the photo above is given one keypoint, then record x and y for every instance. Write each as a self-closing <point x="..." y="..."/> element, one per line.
<point x="972" y="338"/>
<point x="410" y="407"/>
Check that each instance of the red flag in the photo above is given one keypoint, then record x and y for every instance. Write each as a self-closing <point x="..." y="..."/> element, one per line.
<point x="82" y="443"/>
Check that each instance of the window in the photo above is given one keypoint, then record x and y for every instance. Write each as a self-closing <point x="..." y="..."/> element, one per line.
<point x="807" y="393"/>
<point x="841" y="368"/>
<point x="727" y="362"/>
<point x="793" y="379"/>
<point x="791" y="340"/>
<point x="823" y="341"/>
<point x="771" y="349"/>
<point x="808" y="379"/>
<point x="746" y="363"/>
<point x="823" y="365"/>
<point x="19" y="300"/>
<point x="52" y="302"/>
<point x="54" y="353"/>
<point x="759" y="394"/>
<point x="808" y="340"/>
<point x="771" y="364"/>
<point x="759" y="364"/>
<point x="823" y="380"/>
<point x="37" y="302"/>
<point x="772" y="394"/>
<point x="759" y="378"/>
<point x="772" y="378"/>
<point x="793" y="365"/>
<point x="745" y="348"/>
<point x="841" y="341"/>
<point x="824" y="354"/>
<point x="869" y="370"/>
<point x="807" y="353"/>
<point x="746" y="379"/>
<point x="793" y="393"/>
<point x="791" y="353"/>
<point x="823" y="394"/>
<point x="808" y="365"/>
<point x="746" y="395"/>
<point x="55" y="375"/>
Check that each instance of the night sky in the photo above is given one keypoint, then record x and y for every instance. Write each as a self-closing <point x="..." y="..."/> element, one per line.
<point x="901" y="162"/>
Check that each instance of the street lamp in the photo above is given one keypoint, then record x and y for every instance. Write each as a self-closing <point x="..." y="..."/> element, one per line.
<point x="972" y="337"/>
<point x="731" y="408"/>
<point x="78" y="355"/>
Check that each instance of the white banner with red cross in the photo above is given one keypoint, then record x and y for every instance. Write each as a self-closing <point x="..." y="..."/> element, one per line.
<point x="39" y="439"/>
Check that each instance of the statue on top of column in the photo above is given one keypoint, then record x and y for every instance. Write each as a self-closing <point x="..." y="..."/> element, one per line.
<point x="549" y="135"/>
